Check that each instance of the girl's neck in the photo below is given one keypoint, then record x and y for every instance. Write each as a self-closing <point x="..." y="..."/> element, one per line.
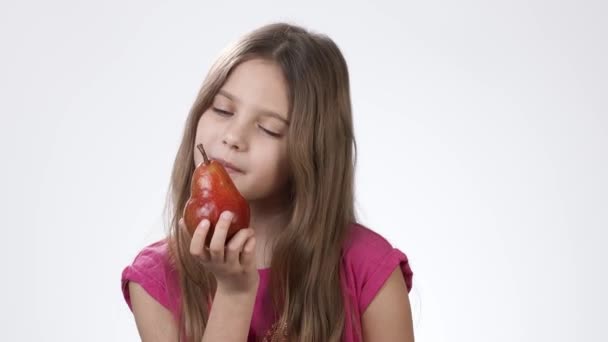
<point x="268" y="219"/>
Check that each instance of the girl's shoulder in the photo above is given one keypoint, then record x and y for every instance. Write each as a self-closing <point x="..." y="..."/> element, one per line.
<point x="368" y="260"/>
<point x="152" y="259"/>
<point x="365" y="246"/>
<point x="361" y="237"/>
<point x="152" y="269"/>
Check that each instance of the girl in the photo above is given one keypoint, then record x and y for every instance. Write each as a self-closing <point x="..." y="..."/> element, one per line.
<point x="275" y="109"/>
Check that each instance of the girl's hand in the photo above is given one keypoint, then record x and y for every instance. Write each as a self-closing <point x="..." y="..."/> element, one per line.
<point x="233" y="265"/>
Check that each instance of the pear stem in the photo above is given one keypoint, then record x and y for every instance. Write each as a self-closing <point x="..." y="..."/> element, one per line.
<point x="200" y="148"/>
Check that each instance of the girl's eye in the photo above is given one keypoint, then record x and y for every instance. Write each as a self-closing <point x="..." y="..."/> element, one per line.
<point x="270" y="133"/>
<point x="221" y="112"/>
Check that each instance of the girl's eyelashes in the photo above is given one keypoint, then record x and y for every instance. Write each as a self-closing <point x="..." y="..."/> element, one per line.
<point x="221" y="112"/>
<point x="269" y="132"/>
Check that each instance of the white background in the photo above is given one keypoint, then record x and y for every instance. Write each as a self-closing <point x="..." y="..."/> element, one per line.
<point x="482" y="129"/>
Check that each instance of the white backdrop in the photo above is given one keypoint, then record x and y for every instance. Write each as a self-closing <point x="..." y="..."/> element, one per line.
<point x="482" y="129"/>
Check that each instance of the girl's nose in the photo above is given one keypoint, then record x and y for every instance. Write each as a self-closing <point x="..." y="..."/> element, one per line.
<point x="234" y="138"/>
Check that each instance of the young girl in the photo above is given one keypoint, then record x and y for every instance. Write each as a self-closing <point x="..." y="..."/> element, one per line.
<point x="275" y="109"/>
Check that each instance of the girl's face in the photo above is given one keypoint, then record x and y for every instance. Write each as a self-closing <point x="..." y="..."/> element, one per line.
<point x="246" y="129"/>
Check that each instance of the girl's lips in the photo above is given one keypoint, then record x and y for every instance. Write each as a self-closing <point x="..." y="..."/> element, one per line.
<point x="231" y="168"/>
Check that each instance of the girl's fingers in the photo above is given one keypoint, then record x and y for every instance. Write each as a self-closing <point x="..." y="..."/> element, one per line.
<point x="239" y="250"/>
<point x="235" y="245"/>
<point x="247" y="257"/>
<point x="197" y="244"/>
<point x="218" y="240"/>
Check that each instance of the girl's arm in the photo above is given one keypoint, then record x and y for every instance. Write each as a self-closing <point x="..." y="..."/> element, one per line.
<point x="388" y="317"/>
<point x="230" y="317"/>
<point x="154" y="322"/>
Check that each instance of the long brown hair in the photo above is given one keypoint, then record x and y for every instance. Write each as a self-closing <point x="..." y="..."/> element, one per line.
<point x="305" y="267"/>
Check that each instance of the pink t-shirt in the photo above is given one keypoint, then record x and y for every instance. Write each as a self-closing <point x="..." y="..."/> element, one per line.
<point x="368" y="261"/>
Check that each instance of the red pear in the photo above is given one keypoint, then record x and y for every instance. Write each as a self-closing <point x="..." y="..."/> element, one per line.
<point x="212" y="192"/>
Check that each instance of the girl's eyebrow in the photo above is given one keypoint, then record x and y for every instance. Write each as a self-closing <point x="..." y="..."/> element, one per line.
<point x="262" y="111"/>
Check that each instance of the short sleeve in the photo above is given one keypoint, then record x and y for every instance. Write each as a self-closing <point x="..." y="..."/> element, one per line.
<point x="371" y="260"/>
<point x="380" y="273"/>
<point x="149" y="269"/>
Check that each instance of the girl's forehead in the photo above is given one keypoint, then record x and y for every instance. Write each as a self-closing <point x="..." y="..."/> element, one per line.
<point x="258" y="84"/>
